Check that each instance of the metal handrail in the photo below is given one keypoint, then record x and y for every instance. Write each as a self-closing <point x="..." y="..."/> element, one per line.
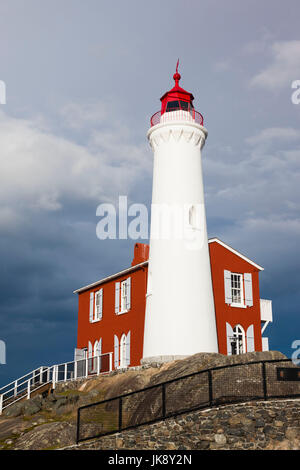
<point x="35" y="378"/>
<point x="35" y="370"/>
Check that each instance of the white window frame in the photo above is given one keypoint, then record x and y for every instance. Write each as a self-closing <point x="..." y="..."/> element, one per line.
<point x="235" y="338"/>
<point x="123" y="296"/>
<point x="98" y="317"/>
<point x="242" y="303"/>
<point x="95" y="317"/>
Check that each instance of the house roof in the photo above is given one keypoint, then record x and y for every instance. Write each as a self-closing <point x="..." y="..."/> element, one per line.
<point x="140" y="265"/>
<point x="113" y="276"/>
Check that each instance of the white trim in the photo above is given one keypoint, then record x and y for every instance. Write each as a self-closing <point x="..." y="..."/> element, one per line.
<point x="123" y="311"/>
<point x="236" y="334"/>
<point x="211" y="240"/>
<point x="240" y="304"/>
<point x="113" y="276"/>
<point x="264" y="327"/>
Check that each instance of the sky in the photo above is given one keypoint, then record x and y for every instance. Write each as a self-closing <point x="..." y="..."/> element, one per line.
<point x="82" y="81"/>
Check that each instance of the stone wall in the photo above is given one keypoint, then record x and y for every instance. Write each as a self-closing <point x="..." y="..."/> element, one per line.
<point x="273" y="424"/>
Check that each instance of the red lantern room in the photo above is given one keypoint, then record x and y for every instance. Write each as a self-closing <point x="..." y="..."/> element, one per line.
<point x="176" y="100"/>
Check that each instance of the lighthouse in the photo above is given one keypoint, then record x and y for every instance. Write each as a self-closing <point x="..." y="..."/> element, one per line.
<point x="180" y="315"/>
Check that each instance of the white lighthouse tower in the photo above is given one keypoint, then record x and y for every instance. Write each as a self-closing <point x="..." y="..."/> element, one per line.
<point x="180" y="315"/>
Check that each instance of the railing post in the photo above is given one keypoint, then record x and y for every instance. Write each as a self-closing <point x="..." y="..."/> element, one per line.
<point x="98" y="365"/>
<point x="66" y="372"/>
<point x="210" y="388"/>
<point x="120" y="413"/>
<point x="53" y="376"/>
<point x="28" y="389"/>
<point x="264" y="380"/>
<point x="87" y="367"/>
<point x="163" y="396"/>
<point x="1" y="404"/>
<point x="16" y="388"/>
<point x="41" y="375"/>
<point x="75" y="370"/>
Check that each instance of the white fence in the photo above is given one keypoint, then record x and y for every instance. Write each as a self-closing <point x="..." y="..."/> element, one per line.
<point x="24" y="386"/>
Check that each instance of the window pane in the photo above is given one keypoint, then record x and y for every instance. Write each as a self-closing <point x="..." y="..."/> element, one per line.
<point x="184" y="105"/>
<point x="172" y="106"/>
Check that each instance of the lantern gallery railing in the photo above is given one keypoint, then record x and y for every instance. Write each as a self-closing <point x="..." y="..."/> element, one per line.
<point x="179" y="115"/>
<point x="24" y="386"/>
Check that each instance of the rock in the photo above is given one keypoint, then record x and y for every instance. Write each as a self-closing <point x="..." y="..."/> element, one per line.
<point x="38" y="399"/>
<point x="14" y="410"/>
<point x="292" y="433"/>
<point x="278" y="424"/>
<point x="259" y="423"/>
<point x="234" y="421"/>
<point x="73" y="398"/>
<point x="61" y="401"/>
<point x="220" y="439"/>
<point x="50" y="435"/>
<point x="119" y="443"/>
<point x="31" y="408"/>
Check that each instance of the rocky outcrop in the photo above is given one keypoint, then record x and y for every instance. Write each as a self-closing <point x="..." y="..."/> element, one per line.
<point x="47" y="436"/>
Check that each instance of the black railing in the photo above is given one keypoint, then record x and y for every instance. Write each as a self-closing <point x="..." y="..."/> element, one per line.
<point x="233" y="383"/>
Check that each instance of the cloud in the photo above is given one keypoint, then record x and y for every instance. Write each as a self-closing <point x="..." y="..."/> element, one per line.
<point x="285" y="66"/>
<point x="270" y="135"/>
<point x="76" y="115"/>
<point x="258" y="191"/>
<point x="40" y="171"/>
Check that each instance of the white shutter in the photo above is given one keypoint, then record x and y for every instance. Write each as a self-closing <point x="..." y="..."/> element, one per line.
<point x="128" y="293"/>
<point x="127" y="358"/>
<point x="116" y="351"/>
<point x="96" y="346"/>
<point x="99" y="354"/>
<point x="229" y="335"/>
<point x="250" y="339"/>
<point x="98" y="304"/>
<point x="90" y="349"/>
<point x="91" y="307"/>
<point x="117" y="297"/>
<point x="248" y="289"/>
<point x="227" y="285"/>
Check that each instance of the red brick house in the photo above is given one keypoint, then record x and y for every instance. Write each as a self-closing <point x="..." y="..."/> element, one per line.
<point x="111" y="311"/>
